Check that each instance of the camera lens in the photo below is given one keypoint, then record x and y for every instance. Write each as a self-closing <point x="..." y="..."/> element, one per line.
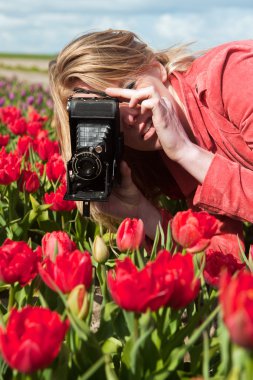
<point x="87" y="166"/>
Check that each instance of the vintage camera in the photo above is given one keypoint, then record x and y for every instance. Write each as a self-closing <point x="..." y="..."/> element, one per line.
<point x="96" y="146"/>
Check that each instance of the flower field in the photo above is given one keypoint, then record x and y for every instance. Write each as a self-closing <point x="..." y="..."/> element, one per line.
<point x="79" y="302"/>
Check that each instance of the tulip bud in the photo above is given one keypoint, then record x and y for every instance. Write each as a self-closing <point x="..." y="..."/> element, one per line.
<point x="78" y="302"/>
<point x="100" y="250"/>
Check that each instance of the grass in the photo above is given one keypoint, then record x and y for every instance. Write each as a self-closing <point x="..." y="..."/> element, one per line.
<point x="22" y="68"/>
<point x="27" y="56"/>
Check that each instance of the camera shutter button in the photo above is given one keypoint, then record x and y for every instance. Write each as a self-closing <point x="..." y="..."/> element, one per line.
<point x="98" y="149"/>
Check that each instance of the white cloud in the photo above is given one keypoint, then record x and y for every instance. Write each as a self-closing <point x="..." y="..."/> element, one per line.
<point x="207" y="28"/>
<point x="178" y="28"/>
<point x="45" y="26"/>
<point x="116" y="6"/>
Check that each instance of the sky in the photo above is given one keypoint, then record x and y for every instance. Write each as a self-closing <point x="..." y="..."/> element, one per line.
<point x="46" y="26"/>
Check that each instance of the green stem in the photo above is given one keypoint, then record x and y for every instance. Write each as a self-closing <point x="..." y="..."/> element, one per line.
<point x="94" y="368"/>
<point x="184" y="251"/>
<point x="11" y="297"/>
<point x="27" y="201"/>
<point x="62" y="222"/>
<point x="101" y="274"/>
<point x="11" y="204"/>
<point x="140" y="261"/>
<point x="249" y="366"/>
<point x="206" y="356"/>
<point x="30" y="290"/>
<point x="136" y="327"/>
<point x="25" y="376"/>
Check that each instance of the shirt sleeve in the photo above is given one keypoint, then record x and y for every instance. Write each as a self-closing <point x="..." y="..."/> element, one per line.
<point x="227" y="189"/>
<point x="228" y="186"/>
<point x="237" y="90"/>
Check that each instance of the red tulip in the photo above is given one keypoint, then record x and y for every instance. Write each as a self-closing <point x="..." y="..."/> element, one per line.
<point x="57" y="242"/>
<point x="237" y="306"/>
<point x="23" y="145"/>
<point x="32" y="338"/>
<point x="193" y="230"/>
<point x="45" y="147"/>
<point x="67" y="271"/>
<point x="18" y="126"/>
<point x="9" y="167"/>
<point x="18" y="262"/>
<point x="139" y="290"/>
<point x="167" y="281"/>
<point x="186" y="285"/>
<point x="29" y="181"/>
<point x="33" y="127"/>
<point x="4" y="139"/>
<point x="55" y="168"/>
<point x="130" y="234"/>
<point x="33" y="115"/>
<point x="57" y="201"/>
<point x="216" y="262"/>
<point x="42" y="134"/>
<point x="9" y="114"/>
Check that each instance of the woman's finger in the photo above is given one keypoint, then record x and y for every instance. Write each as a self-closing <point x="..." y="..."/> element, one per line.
<point x="135" y="96"/>
<point x="122" y="93"/>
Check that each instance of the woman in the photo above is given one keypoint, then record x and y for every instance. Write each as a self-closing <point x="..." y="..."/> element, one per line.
<point x="187" y="123"/>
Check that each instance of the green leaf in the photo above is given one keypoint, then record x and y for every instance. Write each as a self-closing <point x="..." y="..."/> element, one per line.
<point x="109" y="371"/>
<point x="108" y="309"/>
<point x="178" y="353"/>
<point x="155" y="244"/>
<point x="135" y="354"/>
<point x="2" y="221"/>
<point x="111" y="345"/>
<point x="30" y="217"/>
<point x="126" y="354"/>
<point x="35" y="204"/>
<point x="93" y="369"/>
<point x="225" y="348"/>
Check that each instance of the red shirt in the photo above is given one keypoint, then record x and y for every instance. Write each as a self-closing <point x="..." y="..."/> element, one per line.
<point x="217" y="92"/>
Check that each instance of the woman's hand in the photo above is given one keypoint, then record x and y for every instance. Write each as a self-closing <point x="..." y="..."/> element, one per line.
<point x="127" y="201"/>
<point x="170" y="131"/>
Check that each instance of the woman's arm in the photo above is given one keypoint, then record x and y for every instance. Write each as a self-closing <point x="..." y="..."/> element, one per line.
<point x="195" y="160"/>
<point x="228" y="186"/>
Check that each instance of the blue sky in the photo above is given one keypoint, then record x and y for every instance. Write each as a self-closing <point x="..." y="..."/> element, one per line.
<point x="46" y="26"/>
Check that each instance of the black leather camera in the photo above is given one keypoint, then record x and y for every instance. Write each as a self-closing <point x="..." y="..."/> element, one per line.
<point x="96" y="146"/>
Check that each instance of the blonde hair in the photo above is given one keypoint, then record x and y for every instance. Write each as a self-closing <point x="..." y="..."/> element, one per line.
<point x="99" y="60"/>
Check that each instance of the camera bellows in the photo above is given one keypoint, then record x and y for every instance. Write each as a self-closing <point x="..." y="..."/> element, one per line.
<point x="88" y="134"/>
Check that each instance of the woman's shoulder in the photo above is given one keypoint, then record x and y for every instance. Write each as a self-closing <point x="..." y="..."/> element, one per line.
<point x="219" y="54"/>
<point x="216" y="59"/>
<point x="237" y="45"/>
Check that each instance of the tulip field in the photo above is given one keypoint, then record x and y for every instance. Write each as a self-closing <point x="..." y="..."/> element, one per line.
<point x="79" y="302"/>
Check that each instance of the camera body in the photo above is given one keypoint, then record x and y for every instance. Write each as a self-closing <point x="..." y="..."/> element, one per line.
<point x="96" y="147"/>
